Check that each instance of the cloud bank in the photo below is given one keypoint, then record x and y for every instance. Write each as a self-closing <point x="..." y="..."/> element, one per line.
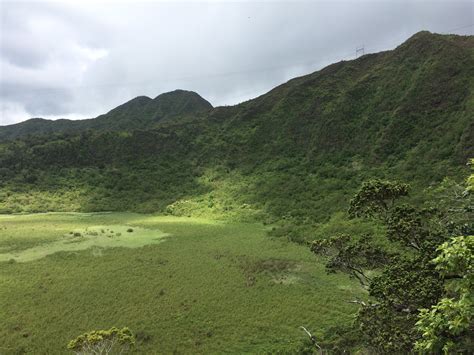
<point x="80" y="59"/>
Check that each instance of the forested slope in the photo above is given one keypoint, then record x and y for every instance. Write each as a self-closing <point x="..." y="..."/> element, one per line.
<point x="298" y="151"/>
<point x="140" y="112"/>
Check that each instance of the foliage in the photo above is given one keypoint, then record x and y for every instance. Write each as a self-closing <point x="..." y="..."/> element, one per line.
<point x="416" y="228"/>
<point x="404" y="279"/>
<point x="375" y="198"/>
<point x="294" y="154"/>
<point x="447" y="326"/>
<point x="352" y="257"/>
<point x="304" y="232"/>
<point x="138" y="113"/>
<point x="388" y="323"/>
<point x="291" y="158"/>
<point x="470" y="180"/>
<point x="102" y="342"/>
<point x="455" y="203"/>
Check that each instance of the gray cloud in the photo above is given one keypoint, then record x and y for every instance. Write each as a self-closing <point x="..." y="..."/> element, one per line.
<point x="80" y="59"/>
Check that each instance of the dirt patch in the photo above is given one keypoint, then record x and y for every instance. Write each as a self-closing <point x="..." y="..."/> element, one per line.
<point x="280" y="271"/>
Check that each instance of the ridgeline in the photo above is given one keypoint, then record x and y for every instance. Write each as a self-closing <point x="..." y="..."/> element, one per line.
<point x="296" y="152"/>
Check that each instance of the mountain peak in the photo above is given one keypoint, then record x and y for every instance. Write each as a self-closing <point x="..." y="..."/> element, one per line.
<point x="180" y="95"/>
<point x="132" y="104"/>
<point x="426" y="40"/>
<point x="178" y="102"/>
<point x="441" y="56"/>
<point x="421" y="35"/>
<point x="178" y="92"/>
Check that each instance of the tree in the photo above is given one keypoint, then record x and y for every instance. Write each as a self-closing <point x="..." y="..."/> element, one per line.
<point x="376" y="197"/>
<point x="448" y="325"/>
<point x="102" y="342"/>
<point x="398" y="274"/>
<point x="354" y="257"/>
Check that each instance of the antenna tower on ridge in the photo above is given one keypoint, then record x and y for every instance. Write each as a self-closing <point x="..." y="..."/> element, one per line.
<point x="360" y="51"/>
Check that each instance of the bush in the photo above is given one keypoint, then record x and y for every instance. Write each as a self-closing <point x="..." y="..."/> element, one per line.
<point x="109" y="341"/>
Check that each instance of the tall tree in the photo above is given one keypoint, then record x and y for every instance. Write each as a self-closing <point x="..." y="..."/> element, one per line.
<point x="448" y="326"/>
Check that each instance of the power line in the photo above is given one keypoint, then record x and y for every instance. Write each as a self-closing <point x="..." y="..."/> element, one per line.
<point x="458" y="28"/>
<point x="360" y="51"/>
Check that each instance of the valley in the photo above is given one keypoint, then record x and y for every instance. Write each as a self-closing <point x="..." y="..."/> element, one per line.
<point x="339" y="201"/>
<point x="205" y="287"/>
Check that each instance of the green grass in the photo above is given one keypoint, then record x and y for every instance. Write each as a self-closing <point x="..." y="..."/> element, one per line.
<point x="206" y="287"/>
<point x="95" y="238"/>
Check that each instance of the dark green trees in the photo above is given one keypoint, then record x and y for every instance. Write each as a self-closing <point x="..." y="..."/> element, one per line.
<point x="398" y="271"/>
<point x="448" y="325"/>
<point x="375" y="198"/>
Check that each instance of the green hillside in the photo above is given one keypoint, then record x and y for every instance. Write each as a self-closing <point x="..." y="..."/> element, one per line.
<point x="297" y="152"/>
<point x="140" y="112"/>
<point x="209" y="264"/>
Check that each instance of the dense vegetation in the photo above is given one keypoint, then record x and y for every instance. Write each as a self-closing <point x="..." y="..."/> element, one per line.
<point x="140" y="112"/>
<point x="405" y="274"/>
<point x="297" y="152"/>
<point x="207" y="288"/>
<point x="292" y="158"/>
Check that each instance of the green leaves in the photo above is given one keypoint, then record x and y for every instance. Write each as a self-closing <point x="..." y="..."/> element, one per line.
<point x="457" y="258"/>
<point x="415" y="228"/>
<point x="376" y="197"/>
<point x="407" y="278"/>
<point x="103" y="341"/>
<point x="447" y="326"/>
<point x="352" y="256"/>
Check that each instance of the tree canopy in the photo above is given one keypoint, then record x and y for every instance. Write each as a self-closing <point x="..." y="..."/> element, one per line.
<point x="419" y="277"/>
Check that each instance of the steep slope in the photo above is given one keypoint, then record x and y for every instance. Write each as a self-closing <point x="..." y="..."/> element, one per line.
<point x="296" y="152"/>
<point x="380" y="105"/>
<point x="140" y="112"/>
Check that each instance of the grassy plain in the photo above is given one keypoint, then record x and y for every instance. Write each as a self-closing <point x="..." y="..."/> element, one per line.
<point x="182" y="285"/>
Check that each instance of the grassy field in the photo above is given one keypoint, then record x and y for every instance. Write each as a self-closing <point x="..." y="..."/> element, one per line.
<point x="181" y="284"/>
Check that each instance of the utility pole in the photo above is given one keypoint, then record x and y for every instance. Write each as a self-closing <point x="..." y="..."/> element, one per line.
<point x="360" y="51"/>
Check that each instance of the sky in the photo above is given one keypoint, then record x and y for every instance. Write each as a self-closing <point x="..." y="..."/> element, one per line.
<point x="79" y="59"/>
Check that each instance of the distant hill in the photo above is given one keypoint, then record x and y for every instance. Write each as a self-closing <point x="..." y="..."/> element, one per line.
<point x="296" y="152"/>
<point x="140" y="112"/>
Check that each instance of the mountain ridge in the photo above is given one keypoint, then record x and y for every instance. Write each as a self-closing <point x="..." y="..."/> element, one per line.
<point x="139" y="112"/>
<point x="297" y="151"/>
<point x="420" y="41"/>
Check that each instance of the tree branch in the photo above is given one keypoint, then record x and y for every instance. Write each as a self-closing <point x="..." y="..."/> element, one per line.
<point x="312" y="337"/>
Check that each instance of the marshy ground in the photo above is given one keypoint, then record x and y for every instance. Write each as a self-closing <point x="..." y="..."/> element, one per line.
<point x="181" y="284"/>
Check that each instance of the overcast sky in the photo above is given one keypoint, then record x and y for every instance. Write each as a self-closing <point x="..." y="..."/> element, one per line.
<point x="80" y="59"/>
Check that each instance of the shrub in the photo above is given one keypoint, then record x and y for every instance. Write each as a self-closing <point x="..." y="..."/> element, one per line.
<point x="109" y="341"/>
